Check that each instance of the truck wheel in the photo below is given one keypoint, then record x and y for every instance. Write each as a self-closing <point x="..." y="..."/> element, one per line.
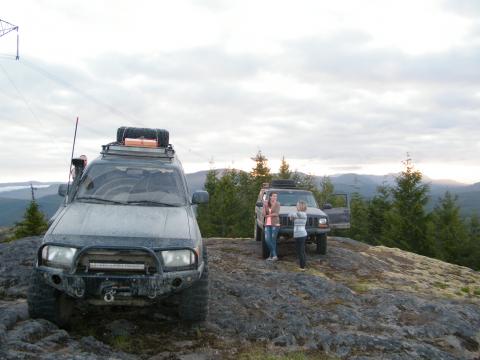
<point x="321" y="240"/>
<point x="47" y="302"/>
<point x="258" y="233"/>
<point x="194" y="300"/>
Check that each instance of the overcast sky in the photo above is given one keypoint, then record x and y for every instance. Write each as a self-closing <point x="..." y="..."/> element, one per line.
<point x="334" y="86"/>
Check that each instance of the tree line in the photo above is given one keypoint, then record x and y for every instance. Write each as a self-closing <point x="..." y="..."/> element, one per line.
<point x="395" y="216"/>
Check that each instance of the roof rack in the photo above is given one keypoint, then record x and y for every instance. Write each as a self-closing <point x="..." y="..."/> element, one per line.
<point x="119" y="149"/>
<point x="283" y="184"/>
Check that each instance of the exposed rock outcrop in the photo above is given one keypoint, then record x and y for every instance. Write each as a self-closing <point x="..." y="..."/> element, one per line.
<point x="357" y="302"/>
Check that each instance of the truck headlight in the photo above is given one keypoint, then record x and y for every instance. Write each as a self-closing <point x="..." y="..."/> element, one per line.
<point x="58" y="256"/>
<point x="178" y="258"/>
<point x="323" y="222"/>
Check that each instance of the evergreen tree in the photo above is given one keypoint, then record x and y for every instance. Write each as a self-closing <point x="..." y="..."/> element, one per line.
<point x="473" y="230"/>
<point x="325" y="195"/>
<point x="378" y="208"/>
<point x="261" y="172"/>
<point x="407" y="220"/>
<point x="358" y="222"/>
<point x="208" y="212"/>
<point x="450" y="234"/>
<point x="284" y="170"/>
<point x="34" y="222"/>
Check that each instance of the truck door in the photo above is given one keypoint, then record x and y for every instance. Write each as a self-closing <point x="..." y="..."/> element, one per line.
<point x="338" y="211"/>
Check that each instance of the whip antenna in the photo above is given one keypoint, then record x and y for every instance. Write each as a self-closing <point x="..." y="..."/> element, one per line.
<point x="71" y="160"/>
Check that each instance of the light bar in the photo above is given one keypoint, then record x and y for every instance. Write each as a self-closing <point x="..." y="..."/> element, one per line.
<point x="116" y="266"/>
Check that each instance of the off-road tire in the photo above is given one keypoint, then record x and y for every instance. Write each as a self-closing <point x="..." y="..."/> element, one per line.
<point x="161" y="135"/>
<point x="48" y="303"/>
<point x="321" y="243"/>
<point x="193" y="304"/>
<point x="258" y="233"/>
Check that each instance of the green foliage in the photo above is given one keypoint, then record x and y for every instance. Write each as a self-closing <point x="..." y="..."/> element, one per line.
<point x="33" y="223"/>
<point x="408" y="222"/>
<point x="378" y="208"/>
<point x="359" y="218"/>
<point x="284" y="170"/>
<point x="261" y="172"/>
<point x="228" y="212"/>
<point x="450" y="233"/>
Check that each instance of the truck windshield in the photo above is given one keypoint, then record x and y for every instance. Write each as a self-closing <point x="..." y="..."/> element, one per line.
<point x="290" y="198"/>
<point x="132" y="184"/>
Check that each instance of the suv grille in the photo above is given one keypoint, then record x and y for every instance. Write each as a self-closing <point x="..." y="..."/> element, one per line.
<point x="115" y="261"/>
<point x="312" y="221"/>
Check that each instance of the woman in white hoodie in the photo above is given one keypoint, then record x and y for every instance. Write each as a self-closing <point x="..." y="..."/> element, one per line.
<point x="299" y="232"/>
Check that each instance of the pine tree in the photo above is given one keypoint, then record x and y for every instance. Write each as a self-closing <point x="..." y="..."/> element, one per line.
<point x="378" y="208"/>
<point x="407" y="220"/>
<point x="284" y="170"/>
<point x="208" y="212"/>
<point x="451" y="238"/>
<point x="473" y="229"/>
<point x="34" y="222"/>
<point x="325" y="195"/>
<point x="261" y="172"/>
<point x="358" y="222"/>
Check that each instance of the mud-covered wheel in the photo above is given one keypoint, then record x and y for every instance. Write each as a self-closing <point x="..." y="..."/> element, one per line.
<point x="194" y="300"/>
<point x="258" y="232"/>
<point x="321" y="241"/>
<point x="46" y="302"/>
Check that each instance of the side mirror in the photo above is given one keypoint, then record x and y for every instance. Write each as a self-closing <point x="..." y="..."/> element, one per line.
<point x="327" y="206"/>
<point x="62" y="190"/>
<point x="259" y="204"/>
<point x="200" y="197"/>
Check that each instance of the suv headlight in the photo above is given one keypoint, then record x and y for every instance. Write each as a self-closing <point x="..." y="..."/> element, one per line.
<point x="323" y="222"/>
<point x="178" y="258"/>
<point x="58" y="256"/>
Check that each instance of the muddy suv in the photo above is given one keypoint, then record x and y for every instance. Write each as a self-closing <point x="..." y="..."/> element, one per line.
<point x="126" y="235"/>
<point x="319" y="221"/>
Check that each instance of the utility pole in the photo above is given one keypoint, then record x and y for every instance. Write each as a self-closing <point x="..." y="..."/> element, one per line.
<point x="5" y="28"/>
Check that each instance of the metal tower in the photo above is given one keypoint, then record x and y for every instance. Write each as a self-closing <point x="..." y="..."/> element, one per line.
<point x="5" y="28"/>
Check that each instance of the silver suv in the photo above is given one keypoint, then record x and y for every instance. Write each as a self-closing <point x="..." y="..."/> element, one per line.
<point x="319" y="221"/>
<point x="126" y="235"/>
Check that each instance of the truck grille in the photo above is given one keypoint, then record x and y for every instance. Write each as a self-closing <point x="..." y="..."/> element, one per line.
<point x="113" y="261"/>
<point x="312" y="221"/>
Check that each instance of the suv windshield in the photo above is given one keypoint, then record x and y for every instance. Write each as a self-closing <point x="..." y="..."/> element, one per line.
<point x="290" y="198"/>
<point x="132" y="184"/>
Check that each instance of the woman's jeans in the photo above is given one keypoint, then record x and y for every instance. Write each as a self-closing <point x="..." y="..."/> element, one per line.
<point x="271" y="233"/>
<point x="300" y="247"/>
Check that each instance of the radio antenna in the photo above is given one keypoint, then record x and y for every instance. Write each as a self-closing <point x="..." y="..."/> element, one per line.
<point x="71" y="160"/>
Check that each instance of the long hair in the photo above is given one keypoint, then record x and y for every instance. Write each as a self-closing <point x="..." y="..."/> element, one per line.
<point x="302" y="206"/>
<point x="270" y="199"/>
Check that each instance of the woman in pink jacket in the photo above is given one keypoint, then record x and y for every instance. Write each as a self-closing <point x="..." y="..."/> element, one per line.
<point x="271" y="211"/>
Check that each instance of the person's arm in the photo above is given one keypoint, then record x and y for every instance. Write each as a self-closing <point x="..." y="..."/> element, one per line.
<point x="276" y="209"/>
<point x="264" y="209"/>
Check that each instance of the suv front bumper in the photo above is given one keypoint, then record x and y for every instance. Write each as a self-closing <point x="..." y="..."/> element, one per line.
<point x="114" y="287"/>
<point x="287" y="231"/>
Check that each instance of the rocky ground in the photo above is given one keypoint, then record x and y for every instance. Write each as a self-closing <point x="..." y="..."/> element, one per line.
<point x="357" y="302"/>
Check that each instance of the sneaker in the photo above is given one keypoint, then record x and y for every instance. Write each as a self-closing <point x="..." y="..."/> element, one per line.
<point x="269" y="258"/>
<point x="274" y="258"/>
<point x="302" y="269"/>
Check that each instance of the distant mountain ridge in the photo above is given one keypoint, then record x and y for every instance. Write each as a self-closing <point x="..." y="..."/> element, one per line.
<point x="14" y="201"/>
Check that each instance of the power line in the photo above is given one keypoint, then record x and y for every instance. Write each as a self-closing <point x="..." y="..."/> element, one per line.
<point x="57" y="79"/>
